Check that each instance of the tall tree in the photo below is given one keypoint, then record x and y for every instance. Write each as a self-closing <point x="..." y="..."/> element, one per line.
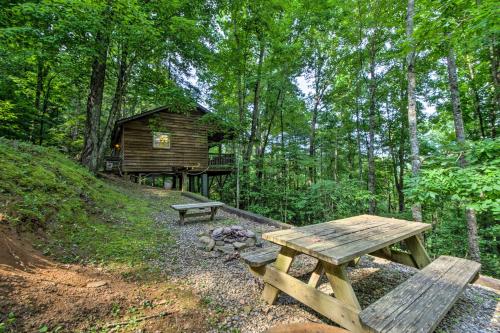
<point x="460" y="136"/>
<point x="90" y="152"/>
<point x="416" y="208"/>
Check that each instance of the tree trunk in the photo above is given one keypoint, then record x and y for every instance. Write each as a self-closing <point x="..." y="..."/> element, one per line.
<point x="496" y="86"/>
<point x="90" y="151"/>
<point x="265" y="140"/>
<point x="45" y="107"/>
<point x="40" y="77"/>
<point x="358" y="95"/>
<point x="240" y="73"/>
<point x="401" y="157"/>
<point x="312" y="139"/>
<point x="116" y="105"/>
<point x="460" y="134"/>
<point x="255" y="111"/>
<point x="475" y="97"/>
<point x="416" y="208"/>
<point x="372" y="125"/>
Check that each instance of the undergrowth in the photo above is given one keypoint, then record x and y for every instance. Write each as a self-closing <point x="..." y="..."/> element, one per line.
<point x="83" y="218"/>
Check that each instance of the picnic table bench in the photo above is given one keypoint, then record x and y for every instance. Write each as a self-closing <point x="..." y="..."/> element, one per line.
<point x="417" y="305"/>
<point x="183" y="209"/>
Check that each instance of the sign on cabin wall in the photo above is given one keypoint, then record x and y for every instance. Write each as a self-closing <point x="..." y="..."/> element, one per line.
<point x="161" y="140"/>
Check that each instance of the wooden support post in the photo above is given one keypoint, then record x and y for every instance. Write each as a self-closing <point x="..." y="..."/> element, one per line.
<point x="174" y="182"/>
<point x="184" y="182"/>
<point x="334" y="309"/>
<point x="182" y="214"/>
<point x="417" y="250"/>
<point x="204" y="185"/>
<point x="154" y="181"/>
<point x="354" y="262"/>
<point x="258" y="271"/>
<point x="283" y="263"/>
<point x="396" y="256"/>
<point x="316" y="275"/>
<point x="341" y="284"/>
<point x="213" y="212"/>
<point x="191" y="183"/>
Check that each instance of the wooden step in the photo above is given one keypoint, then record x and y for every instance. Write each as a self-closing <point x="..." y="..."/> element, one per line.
<point x="420" y="303"/>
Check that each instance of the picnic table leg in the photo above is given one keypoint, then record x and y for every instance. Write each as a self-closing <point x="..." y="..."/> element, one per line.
<point x="316" y="275"/>
<point x="354" y="262"/>
<point x="418" y="252"/>
<point x="341" y="284"/>
<point x="213" y="212"/>
<point x="282" y="263"/>
<point x="182" y="214"/>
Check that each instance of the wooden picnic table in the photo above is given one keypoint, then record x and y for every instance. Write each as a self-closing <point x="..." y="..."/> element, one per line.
<point x="335" y="244"/>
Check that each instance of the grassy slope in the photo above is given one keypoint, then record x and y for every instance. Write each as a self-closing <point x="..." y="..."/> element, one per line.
<point x="84" y="218"/>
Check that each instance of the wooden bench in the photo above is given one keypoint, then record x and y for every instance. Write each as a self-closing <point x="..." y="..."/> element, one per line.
<point x="259" y="258"/>
<point x="420" y="303"/>
<point x="183" y="208"/>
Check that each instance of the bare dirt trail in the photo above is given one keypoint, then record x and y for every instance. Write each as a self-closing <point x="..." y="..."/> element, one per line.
<point x="37" y="294"/>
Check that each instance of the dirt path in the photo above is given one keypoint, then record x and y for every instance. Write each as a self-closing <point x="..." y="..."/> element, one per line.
<point x="37" y="294"/>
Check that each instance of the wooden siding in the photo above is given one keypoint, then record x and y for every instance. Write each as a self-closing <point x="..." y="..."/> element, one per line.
<point x="189" y="147"/>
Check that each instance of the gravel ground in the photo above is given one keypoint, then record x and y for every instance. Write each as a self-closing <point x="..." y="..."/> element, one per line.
<point x="226" y="286"/>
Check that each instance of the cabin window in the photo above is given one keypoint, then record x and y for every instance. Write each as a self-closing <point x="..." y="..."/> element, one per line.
<point x="161" y="140"/>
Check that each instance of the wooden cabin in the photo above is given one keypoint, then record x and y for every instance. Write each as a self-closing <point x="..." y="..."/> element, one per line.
<point x="164" y="144"/>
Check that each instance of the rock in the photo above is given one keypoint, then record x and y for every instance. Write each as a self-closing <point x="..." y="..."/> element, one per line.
<point x="250" y="242"/>
<point x="237" y="227"/>
<point x="227" y="248"/>
<point x="96" y="284"/>
<point x="203" y="233"/>
<point x="201" y="245"/>
<point x="247" y="309"/>
<point x="210" y="246"/>
<point x="249" y="233"/>
<point x="239" y="246"/>
<point x="226" y="230"/>
<point x="217" y="232"/>
<point x="220" y="242"/>
<point x="205" y="239"/>
<point x="229" y="240"/>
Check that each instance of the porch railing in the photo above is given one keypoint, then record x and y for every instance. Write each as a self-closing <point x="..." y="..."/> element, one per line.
<point x="215" y="159"/>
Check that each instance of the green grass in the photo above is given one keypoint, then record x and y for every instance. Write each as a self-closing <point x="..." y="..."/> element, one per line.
<point x="82" y="218"/>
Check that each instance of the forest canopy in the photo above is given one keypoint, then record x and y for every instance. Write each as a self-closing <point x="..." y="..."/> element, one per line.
<point x="341" y="107"/>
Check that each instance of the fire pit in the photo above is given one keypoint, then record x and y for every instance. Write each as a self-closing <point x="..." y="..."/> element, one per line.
<point x="228" y="239"/>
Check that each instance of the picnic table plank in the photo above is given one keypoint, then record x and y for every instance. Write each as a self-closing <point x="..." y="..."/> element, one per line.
<point x="341" y="241"/>
<point x="370" y="244"/>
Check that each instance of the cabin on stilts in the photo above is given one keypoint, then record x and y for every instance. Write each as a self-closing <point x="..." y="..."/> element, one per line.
<point x="178" y="150"/>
